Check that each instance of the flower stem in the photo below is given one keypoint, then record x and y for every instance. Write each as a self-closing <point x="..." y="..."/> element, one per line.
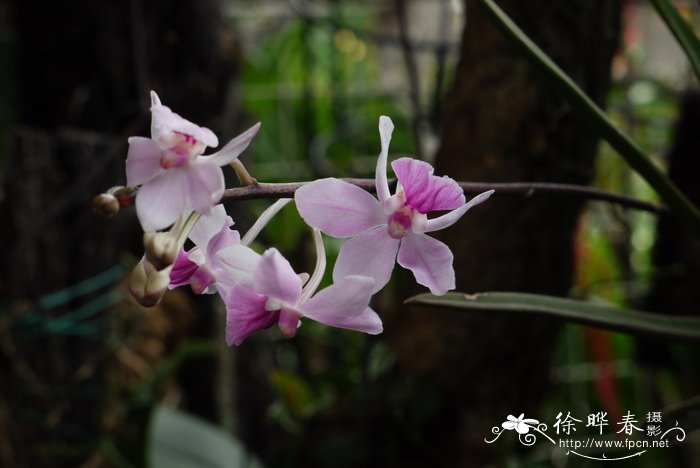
<point x="262" y="221"/>
<point x="513" y="189"/>
<point x="187" y="227"/>
<point x="320" y="268"/>
<point x="243" y="175"/>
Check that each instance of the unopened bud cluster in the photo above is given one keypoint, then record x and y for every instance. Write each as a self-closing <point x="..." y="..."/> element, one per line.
<point x="109" y="203"/>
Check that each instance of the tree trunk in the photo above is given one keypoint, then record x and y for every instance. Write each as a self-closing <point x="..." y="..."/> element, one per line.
<point x="503" y="123"/>
<point x="676" y="260"/>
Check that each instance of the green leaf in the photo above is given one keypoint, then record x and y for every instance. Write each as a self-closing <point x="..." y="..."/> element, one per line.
<point x="179" y="440"/>
<point x="681" y="29"/>
<point x="570" y="310"/>
<point x="598" y="120"/>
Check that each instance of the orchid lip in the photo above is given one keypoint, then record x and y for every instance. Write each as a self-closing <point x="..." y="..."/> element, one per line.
<point x="400" y="222"/>
<point x="202" y="279"/>
<point x="289" y="321"/>
<point x="170" y="158"/>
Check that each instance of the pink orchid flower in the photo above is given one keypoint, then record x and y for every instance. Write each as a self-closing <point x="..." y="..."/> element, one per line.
<point x="199" y="267"/>
<point x="173" y="174"/>
<point x="275" y="295"/>
<point x="211" y="264"/>
<point x="393" y="227"/>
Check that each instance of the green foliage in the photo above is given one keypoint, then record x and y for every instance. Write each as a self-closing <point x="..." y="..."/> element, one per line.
<point x="681" y="30"/>
<point x="598" y="315"/>
<point x="178" y="440"/>
<point x="314" y="87"/>
<point x="599" y="121"/>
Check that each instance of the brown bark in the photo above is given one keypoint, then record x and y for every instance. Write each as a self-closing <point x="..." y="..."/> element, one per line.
<point x="502" y="122"/>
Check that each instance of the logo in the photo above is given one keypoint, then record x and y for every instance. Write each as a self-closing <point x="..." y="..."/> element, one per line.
<point x="626" y="438"/>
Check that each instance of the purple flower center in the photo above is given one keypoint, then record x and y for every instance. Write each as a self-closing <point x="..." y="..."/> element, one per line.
<point x="400" y="222"/>
<point x="288" y="321"/>
<point x="202" y="279"/>
<point x="183" y="269"/>
<point x="184" y="148"/>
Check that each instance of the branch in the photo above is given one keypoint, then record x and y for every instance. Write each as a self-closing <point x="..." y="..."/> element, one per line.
<point x="522" y="189"/>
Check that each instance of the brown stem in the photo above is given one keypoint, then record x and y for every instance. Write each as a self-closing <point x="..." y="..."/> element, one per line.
<point x="513" y="189"/>
<point x="523" y="189"/>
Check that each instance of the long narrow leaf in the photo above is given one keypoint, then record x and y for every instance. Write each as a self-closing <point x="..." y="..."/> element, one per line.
<point x="597" y="120"/>
<point x="681" y="30"/>
<point x="570" y="310"/>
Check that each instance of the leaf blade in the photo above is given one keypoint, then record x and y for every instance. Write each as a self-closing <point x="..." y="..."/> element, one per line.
<point x="681" y="31"/>
<point x="571" y="310"/>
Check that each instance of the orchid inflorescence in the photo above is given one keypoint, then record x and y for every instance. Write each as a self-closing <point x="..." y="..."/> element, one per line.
<point x="178" y="188"/>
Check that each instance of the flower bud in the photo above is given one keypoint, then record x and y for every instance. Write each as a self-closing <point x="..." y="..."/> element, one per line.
<point x="156" y="285"/>
<point x="125" y="195"/>
<point x="161" y="248"/>
<point x="147" y="285"/>
<point x="137" y="281"/>
<point x="105" y="205"/>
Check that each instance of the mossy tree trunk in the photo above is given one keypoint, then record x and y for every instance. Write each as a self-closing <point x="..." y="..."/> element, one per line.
<point x="503" y="123"/>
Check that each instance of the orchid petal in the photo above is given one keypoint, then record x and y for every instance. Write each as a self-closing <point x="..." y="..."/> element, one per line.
<point x="275" y="278"/>
<point x="345" y="305"/>
<point x="202" y="281"/>
<point x="142" y="161"/>
<point x="368" y="322"/>
<point x="160" y="201"/>
<point x="196" y="256"/>
<point x="238" y="262"/>
<point x="221" y="240"/>
<point x="165" y="123"/>
<point x="386" y="128"/>
<point x="204" y="186"/>
<point x="424" y="191"/>
<point x="182" y="271"/>
<point x="245" y="314"/>
<point x="338" y="208"/>
<point x="155" y="100"/>
<point x="233" y="148"/>
<point x="208" y="225"/>
<point x="430" y="261"/>
<point x="347" y="297"/>
<point x="371" y="253"/>
<point x="448" y="219"/>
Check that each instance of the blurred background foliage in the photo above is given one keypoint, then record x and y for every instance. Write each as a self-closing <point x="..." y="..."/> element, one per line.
<point x="318" y="74"/>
